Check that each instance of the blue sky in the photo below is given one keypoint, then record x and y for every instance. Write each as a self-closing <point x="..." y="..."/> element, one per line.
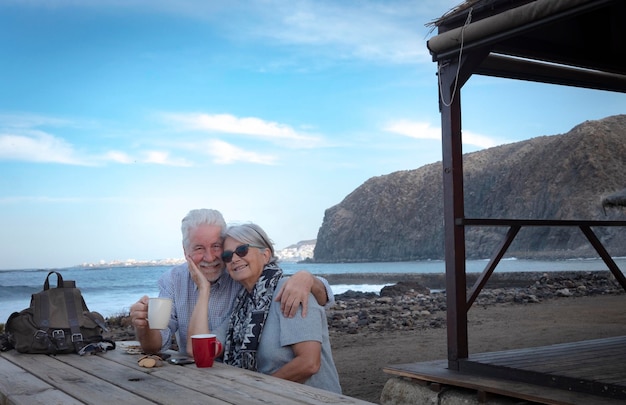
<point x="118" y="117"/>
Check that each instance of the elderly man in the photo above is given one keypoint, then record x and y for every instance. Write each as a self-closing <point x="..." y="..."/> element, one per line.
<point x="203" y="231"/>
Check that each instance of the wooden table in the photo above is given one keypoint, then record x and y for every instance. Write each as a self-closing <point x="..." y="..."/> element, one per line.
<point x="115" y="377"/>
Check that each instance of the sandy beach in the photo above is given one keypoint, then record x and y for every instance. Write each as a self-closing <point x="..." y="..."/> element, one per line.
<point x="360" y="357"/>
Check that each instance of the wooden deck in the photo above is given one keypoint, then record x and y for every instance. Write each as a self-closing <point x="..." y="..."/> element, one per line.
<point x="115" y="377"/>
<point x="587" y="372"/>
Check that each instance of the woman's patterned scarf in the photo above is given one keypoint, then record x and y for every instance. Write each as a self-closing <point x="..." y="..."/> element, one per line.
<point x="248" y="319"/>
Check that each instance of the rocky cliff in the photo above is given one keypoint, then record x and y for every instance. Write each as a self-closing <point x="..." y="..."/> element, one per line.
<point x="398" y="217"/>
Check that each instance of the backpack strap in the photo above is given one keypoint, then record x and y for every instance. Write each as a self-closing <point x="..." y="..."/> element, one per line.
<point x="57" y="340"/>
<point x="72" y="317"/>
<point x="44" y="305"/>
<point x="97" y="347"/>
<point x="46" y="285"/>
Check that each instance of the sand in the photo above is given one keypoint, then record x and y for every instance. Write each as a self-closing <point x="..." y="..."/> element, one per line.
<point x="360" y="357"/>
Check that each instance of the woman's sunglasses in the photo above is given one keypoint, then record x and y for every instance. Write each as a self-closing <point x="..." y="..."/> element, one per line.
<point x="241" y="251"/>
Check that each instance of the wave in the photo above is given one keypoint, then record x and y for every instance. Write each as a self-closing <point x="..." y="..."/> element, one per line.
<point x="18" y="291"/>
<point x="342" y="288"/>
<point x="25" y="271"/>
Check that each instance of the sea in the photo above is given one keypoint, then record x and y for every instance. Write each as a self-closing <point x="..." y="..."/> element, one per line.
<point x="112" y="290"/>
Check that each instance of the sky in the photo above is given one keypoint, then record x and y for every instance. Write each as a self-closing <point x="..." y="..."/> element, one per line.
<point x="117" y="117"/>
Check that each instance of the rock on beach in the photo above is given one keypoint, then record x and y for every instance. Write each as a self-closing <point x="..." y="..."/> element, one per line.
<point x="413" y="304"/>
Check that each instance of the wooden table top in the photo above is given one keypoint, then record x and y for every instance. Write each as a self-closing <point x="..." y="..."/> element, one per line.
<point x="116" y="377"/>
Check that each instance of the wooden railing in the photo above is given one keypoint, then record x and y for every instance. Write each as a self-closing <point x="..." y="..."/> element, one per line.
<point x="514" y="227"/>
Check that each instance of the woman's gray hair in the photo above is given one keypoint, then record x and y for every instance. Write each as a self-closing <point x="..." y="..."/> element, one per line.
<point x="251" y="234"/>
<point x="202" y="216"/>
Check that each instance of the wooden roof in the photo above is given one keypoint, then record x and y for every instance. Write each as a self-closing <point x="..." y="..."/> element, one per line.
<point x="571" y="42"/>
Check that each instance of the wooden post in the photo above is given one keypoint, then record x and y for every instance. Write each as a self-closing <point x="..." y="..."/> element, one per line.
<point x="453" y="207"/>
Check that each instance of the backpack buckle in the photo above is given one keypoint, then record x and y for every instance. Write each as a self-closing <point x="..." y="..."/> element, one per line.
<point x="58" y="334"/>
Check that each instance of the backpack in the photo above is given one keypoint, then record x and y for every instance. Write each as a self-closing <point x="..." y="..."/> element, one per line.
<point x="57" y="321"/>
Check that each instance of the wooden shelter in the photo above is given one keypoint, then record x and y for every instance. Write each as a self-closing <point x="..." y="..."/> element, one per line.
<point x="578" y="43"/>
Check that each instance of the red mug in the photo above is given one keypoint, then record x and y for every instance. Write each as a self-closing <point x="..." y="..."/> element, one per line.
<point x="205" y="348"/>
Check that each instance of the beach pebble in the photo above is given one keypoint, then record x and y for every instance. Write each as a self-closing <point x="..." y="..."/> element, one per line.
<point x="404" y="308"/>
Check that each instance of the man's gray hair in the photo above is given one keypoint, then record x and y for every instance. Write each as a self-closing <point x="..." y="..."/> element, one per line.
<point x="202" y="216"/>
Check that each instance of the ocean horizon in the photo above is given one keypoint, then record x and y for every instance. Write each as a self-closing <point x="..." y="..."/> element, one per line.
<point x="112" y="290"/>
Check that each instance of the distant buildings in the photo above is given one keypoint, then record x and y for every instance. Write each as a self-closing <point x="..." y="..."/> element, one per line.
<point x="293" y="253"/>
<point x="298" y="252"/>
<point x="134" y="263"/>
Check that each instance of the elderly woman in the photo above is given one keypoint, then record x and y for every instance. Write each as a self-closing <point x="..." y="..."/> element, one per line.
<point x="258" y="337"/>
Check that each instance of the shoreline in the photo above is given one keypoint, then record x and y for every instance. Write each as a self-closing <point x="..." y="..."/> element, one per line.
<point x="437" y="281"/>
<point x="418" y="301"/>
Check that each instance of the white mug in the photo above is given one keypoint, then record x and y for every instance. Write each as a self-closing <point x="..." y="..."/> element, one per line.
<point x="159" y="312"/>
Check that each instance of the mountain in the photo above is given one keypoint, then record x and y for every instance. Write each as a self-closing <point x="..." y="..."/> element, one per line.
<point x="399" y="216"/>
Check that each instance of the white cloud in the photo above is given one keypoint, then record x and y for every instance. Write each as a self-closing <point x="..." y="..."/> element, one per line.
<point x="482" y="141"/>
<point x="413" y="129"/>
<point x="163" y="158"/>
<point x="118" y="157"/>
<point x="25" y="121"/>
<point x="31" y="145"/>
<point x="225" y="153"/>
<point x="39" y="147"/>
<point x="145" y="157"/>
<point x="249" y="126"/>
<point x="22" y="142"/>
<point x="423" y="130"/>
